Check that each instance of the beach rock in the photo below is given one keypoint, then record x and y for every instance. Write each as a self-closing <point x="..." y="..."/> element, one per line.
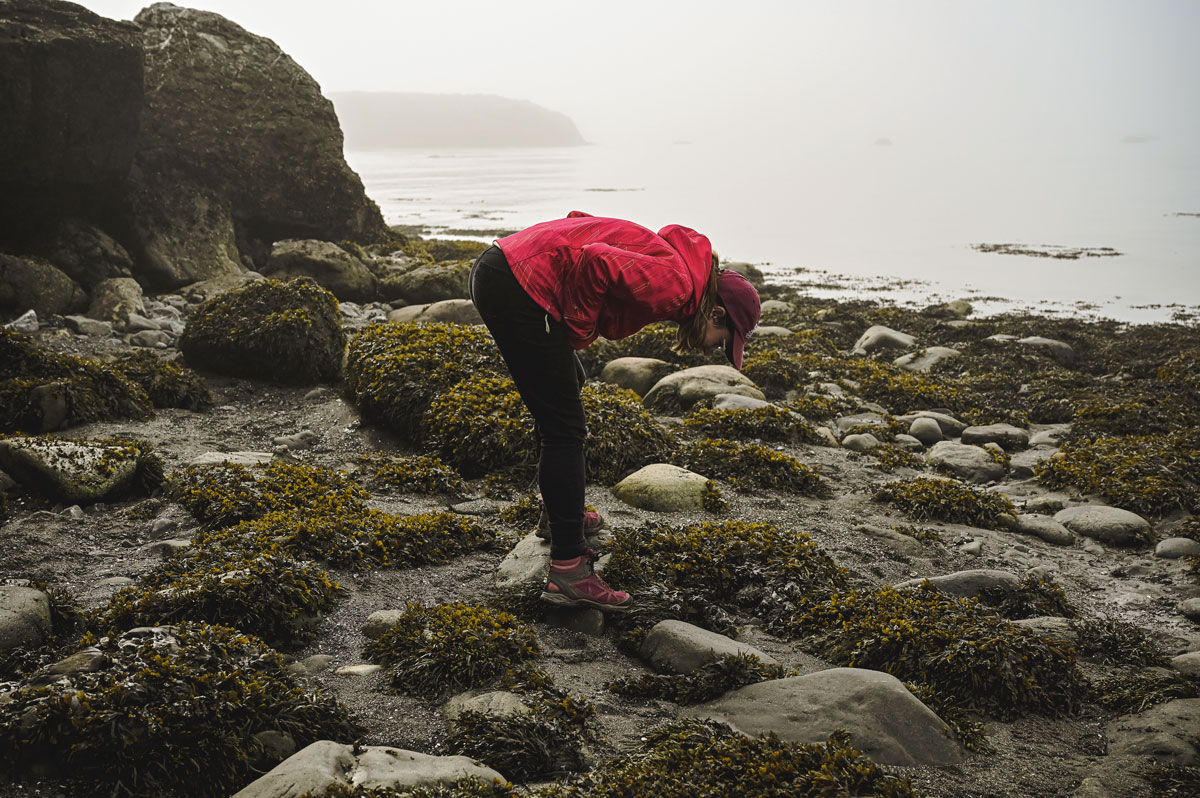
<point x="71" y="472"/>
<point x="680" y="647"/>
<point x="68" y="112"/>
<point x="1051" y="435"/>
<point x="379" y="622"/>
<point x="333" y="268"/>
<point x="82" y="325"/>
<point x="452" y="311"/>
<point x="227" y="113"/>
<point x="663" y="488"/>
<point x="776" y="307"/>
<point x="1190" y="609"/>
<point x="881" y="337"/>
<point x="525" y="566"/>
<point x="736" y="401"/>
<point x="232" y="458"/>
<point x="862" y="442"/>
<point x="1188" y="664"/>
<point x="496" y="703"/>
<point x="951" y="426"/>
<point x="896" y="541"/>
<point x="925" y="430"/>
<point x="137" y="323"/>
<point x="432" y="282"/>
<point x="970" y="584"/>
<point x="771" y="331"/>
<point x="907" y="442"/>
<point x="1109" y="525"/>
<point x="1060" y="351"/>
<point x="1023" y="465"/>
<point x="638" y="374"/>
<point x="24" y="617"/>
<point x="968" y="463"/>
<point x="152" y="339"/>
<point x="87" y="254"/>
<point x="34" y="284"/>
<point x="361" y="669"/>
<point x="27" y="322"/>
<point x="113" y="300"/>
<point x="1050" y="627"/>
<point x="925" y="359"/>
<point x="1006" y="435"/>
<point x="877" y="420"/>
<point x="886" y="722"/>
<point x="1165" y="733"/>
<point x="87" y="660"/>
<point x="317" y="767"/>
<point x="1174" y="548"/>
<point x="1045" y="529"/>
<point x="679" y="391"/>
<point x="1046" y="504"/>
<point x="269" y="748"/>
<point x="957" y="309"/>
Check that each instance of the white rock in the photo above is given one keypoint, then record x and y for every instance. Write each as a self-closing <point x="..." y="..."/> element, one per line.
<point x="27" y="322"/>
<point x="881" y="337"/>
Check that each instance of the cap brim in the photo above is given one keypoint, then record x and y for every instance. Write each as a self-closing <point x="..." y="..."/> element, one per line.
<point x="737" y="350"/>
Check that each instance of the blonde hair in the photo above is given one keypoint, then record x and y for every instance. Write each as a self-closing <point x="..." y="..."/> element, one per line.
<point x="691" y="332"/>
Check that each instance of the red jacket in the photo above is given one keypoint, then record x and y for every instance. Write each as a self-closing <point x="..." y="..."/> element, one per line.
<point x="600" y="276"/>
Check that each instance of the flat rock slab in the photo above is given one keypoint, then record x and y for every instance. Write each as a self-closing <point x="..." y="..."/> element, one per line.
<point x="1110" y="525"/>
<point x="681" y="390"/>
<point x="663" y="488"/>
<point x="1165" y="733"/>
<point x="317" y="767"/>
<point x="70" y="472"/>
<point x="971" y="583"/>
<point x="526" y="565"/>
<point x="885" y="721"/>
<point x="968" y="463"/>
<point x="680" y="647"/>
<point x="1045" y="528"/>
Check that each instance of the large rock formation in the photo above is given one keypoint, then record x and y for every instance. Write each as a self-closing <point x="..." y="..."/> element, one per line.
<point x="70" y="98"/>
<point x="238" y="149"/>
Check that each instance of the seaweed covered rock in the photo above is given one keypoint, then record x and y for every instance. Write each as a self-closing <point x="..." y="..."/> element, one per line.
<point x="621" y="435"/>
<point x="652" y="341"/>
<point x="42" y="391"/>
<point x="752" y="465"/>
<point x="167" y="383"/>
<point x="932" y="498"/>
<point x="176" y="709"/>
<point x="33" y="284"/>
<point x="287" y="331"/>
<point x="764" y="423"/>
<point x="885" y="721"/>
<point x="81" y="472"/>
<point x="394" y="371"/>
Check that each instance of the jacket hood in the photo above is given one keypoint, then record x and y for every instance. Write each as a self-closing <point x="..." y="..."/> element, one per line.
<point x="696" y="251"/>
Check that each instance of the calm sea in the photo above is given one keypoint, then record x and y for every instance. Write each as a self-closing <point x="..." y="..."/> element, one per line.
<point x="882" y="221"/>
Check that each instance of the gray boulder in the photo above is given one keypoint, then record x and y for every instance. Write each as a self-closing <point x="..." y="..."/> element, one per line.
<point x="925" y="359"/>
<point x="526" y="565"/>
<point x="1190" y="609"/>
<point x="869" y="419"/>
<point x="227" y="115"/>
<point x="82" y="325"/>
<point x="1060" y="351"/>
<point x="680" y="647"/>
<point x="34" y="284"/>
<point x="1044" y="528"/>
<point x="737" y="401"/>
<point x="638" y="374"/>
<point x="881" y="337"/>
<point x="1110" y="525"/>
<point x="1188" y="664"/>
<point x="1023" y="465"/>
<point x="379" y="622"/>
<point x="87" y="254"/>
<point x="70" y="472"/>
<point x="886" y="722"/>
<point x="68" y="112"/>
<point x="926" y="430"/>
<point x="861" y="442"/>
<point x="663" y="488"/>
<point x="496" y="703"/>
<point x="431" y="282"/>
<point x="679" y="391"/>
<point x="24" y="617"/>
<point x="114" y="299"/>
<point x="451" y="311"/>
<point x="319" y="766"/>
<point x="951" y="426"/>
<point x="1165" y="733"/>
<point x="970" y="584"/>
<point x="1174" y="548"/>
<point x="968" y="463"/>
<point x="1008" y="436"/>
<point x="333" y="268"/>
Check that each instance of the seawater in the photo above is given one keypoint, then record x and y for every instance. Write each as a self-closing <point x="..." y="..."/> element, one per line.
<point x="882" y="222"/>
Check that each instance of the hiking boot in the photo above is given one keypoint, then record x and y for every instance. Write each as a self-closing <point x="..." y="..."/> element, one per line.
<point x="573" y="583"/>
<point x="592" y="524"/>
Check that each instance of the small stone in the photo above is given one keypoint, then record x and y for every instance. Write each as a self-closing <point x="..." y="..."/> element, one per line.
<point x="75" y="513"/>
<point x="318" y="394"/>
<point x="880" y="337"/>
<point x="1174" y="548"/>
<point x="379" y="622"/>
<point x="162" y="526"/>
<point x="27" y="322"/>
<point x="908" y="443"/>
<point x="586" y="620"/>
<point x="1045" y="528"/>
<point x="1006" y="435"/>
<point x="481" y="508"/>
<point x="93" y="328"/>
<point x="925" y="430"/>
<point x="303" y="439"/>
<point x="1188" y="664"/>
<point x="1191" y="609"/>
<point x="316" y="663"/>
<point x="1045" y="505"/>
<point x="165" y="548"/>
<point x="233" y="458"/>
<point x="366" y="669"/>
<point x="863" y="442"/>
<point x="973" y="548"/>
<point x="861" y="420"/>
<point x="925" y="359"/>
<point x="152" y="339"/>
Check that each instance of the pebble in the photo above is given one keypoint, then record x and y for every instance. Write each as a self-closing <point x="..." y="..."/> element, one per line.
<point x="1174" y="548"/>
<point x="27" y="322"/>
<point x="365" y="669"/>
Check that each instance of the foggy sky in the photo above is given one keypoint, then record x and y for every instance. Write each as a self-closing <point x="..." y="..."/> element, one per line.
<point x="1044" y="74"/>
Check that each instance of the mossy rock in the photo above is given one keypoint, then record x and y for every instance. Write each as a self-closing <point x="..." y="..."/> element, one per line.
<point x="689" y="758"/>
<point x="934" y="499"/>
<point x="395" y="370"/>
<point x="771" y="424"/>
<point x="408" y="473"/>
<point x="286" y="331"/>
<point x="42" y="391"/>
<point x="82" y="472"/>
<point x="621" y="435"/>
<point x="752" y="466"/>
<point x="175" y="712"/>
<point x="956" y="646"/>
<point x="450" y="648"/>
<point x="167" y="383"/>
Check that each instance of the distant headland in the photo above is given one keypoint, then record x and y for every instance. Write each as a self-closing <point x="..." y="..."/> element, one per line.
<point x="375" y="120"/>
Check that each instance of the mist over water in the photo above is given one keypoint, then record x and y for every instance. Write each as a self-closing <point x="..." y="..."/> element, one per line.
<point x="883" y="213"/>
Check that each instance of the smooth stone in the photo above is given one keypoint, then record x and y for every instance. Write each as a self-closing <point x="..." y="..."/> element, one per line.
<point x="316" y="663"/>
<point x="771" y="331"/>
<point x="1188" y="664"/>
<point x="1045" y="528"/>
<point x="662" y="487"/>
<point x="638" y="374"/>
<point x="315" y="768"/>
<point x="1060" y="351"/>
<point x="880" y="337"/>
<point x="24" y="617"/>
<point x="152" y="339"/>
<point x="1023" y="465"/>
<point x="736" y="401"/>
<point x="777" y="306"/>
<point x="379" y="622"/>
<point x="93" y="328"/>
<point x="525" y="566"/>
<point x="165" y="548"/>
<point x="1109" y="525"/>
<point x="1190" y="608"/>
<point x="925" y="359"/>
<point x="861" y="420"/>
<point x="1164" y="733"/>
<point x="364" y="669"/>
<point x="970" y="584"/>
<point x="497" y="703"/>
<point x="452" y="311"/>
<point x="861" y="442"/>
<point x="926" y="430"/>
<point x="1051" y="435"/>
<point x="886" y="722"/>
<point x="1174" y="548"/>
<point x="969" y="463"/>
<point x="680" y="647"/>
<point x="1047" y="504"/>
<point x="1050" y="626"/>
<point x="908" y="443"/>
<point x="951" y="426"/>
<point x="896" y="541"/>
<point x="1008" y="436"/>
<point x="304" y="439"/>
<point x="682" y="389"/>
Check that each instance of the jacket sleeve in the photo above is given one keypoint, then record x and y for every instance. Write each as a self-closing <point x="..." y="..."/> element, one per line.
<point x="643" y="286"/>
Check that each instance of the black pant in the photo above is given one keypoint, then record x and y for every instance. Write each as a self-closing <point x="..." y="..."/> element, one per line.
<point x="546" y="371"/>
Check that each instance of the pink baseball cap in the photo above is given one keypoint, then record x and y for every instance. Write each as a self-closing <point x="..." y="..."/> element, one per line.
<point x="742" y="308"/>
